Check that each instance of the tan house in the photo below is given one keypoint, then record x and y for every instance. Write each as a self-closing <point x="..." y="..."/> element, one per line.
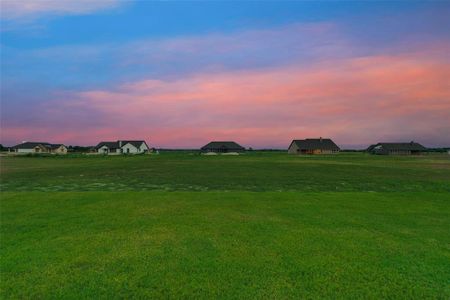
<point x="40" y="147"/>
<point x="58" y="149"/>
<point x="313" y="146"/>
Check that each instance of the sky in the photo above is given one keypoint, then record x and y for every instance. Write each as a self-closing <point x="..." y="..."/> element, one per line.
<point x="180" y="74"/>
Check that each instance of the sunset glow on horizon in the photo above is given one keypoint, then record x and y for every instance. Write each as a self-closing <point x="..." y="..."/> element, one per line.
<point x="359" y="74"/>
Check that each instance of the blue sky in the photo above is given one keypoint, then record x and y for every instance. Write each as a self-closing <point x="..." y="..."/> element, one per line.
<point x="55" y="56"/>
<point x="159" y="19"/>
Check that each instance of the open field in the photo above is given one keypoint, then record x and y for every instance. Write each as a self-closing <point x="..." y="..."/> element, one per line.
<point x="256" y="171"/>
<point x="260" y="225"/>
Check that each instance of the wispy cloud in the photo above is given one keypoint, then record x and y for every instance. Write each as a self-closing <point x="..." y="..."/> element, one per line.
<point x="171" y="57"/>
<point x="260" y="87"/>
<point x="30" y="9"/>
<point x="178" y="56"/>
<point x="356" y="101"/>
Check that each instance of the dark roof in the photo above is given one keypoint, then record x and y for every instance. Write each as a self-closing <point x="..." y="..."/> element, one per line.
<point x="110" y="145"/>
<point x="311" y="144"/>
<point x="30" y="145"/>
<point x="223" y="145"/>
<point x="115" y="145"/>
<point x="411" y="146"/>
<point x="55" y="146"/>
<point x="370" y="148"/>
<point x="137" y="144"/>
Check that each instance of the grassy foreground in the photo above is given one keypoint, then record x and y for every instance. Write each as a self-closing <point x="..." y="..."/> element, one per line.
<point x="173" y="230"/>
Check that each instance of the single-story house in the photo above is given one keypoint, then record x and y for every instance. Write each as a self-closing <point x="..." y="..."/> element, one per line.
<point x="122" y="147"/>
<point x="397" y="148"/>
<point x="313" y="146"/>
<point x="222" y="147"/>
<point x="40" y="147"/>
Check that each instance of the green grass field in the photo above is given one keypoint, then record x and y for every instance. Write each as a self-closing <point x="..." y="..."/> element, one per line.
<point x="259" y="225"/>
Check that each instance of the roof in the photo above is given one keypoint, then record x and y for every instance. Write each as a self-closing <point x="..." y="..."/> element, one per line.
<point x="223" y="144"/>
<point x="137" y="144"/>
<point x="370" y="148"/>
<point x="30" y="145"/>
<point x="110" y="145"/>
<point x="311" y="144"/>
<point x="411" y="146"/>
<point x="55" y="146"/>
<point x="115" y="145"/>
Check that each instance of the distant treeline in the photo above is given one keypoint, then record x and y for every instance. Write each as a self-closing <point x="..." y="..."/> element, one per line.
<point x="84" y="149"/>
<point x="196" y="150"/>
<point x="77" y="149"/>
<point x="438" y="149"/>
<point x="353" y="150"/>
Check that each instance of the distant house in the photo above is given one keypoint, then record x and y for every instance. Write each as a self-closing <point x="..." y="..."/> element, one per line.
<point x="40" y="147"/>
<point x="122" y="147"/>
<point x="396" y="148"/>
<point x="313" y="146"/>
<point x="222" y="147"/>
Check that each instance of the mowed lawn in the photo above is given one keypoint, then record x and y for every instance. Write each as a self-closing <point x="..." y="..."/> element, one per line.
<point x="260" y="225"/>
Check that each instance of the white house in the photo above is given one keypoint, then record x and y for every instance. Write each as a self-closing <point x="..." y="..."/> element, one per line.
<point x="40" y="147"/>
<point x="122" y="147"/>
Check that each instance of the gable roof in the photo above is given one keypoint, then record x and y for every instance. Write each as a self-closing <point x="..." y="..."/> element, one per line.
<point x="55" y="146"/>
<point x="110" y="145"/>
<point x="370" y="148"/>
<point x="223" y="145"/>
<point x="116" y="144"/>
<point x="136" y="144"/>
<point x="311" y="144"/>
<point x="411" y="146"/>
<point x="31" y="145"/>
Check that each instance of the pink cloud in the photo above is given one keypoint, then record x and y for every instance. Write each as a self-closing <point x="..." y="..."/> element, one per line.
<point x="19" y="9"/>
<point x="355" y="101"/>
